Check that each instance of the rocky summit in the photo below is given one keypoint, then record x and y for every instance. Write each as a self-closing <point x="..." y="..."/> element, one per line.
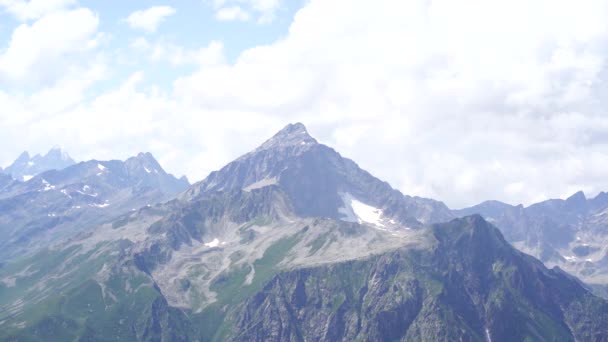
<point x="290" y="242"/>
<point x="26" y="167"/>
<point x="57" y="204"/>
<point x="571" y="234"/>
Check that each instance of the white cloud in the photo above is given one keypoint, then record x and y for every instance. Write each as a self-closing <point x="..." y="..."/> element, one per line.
<point x="264" y="10"/>
<point x="149" y="19"/>
<point x="461" y="101"/>
<point x="431" y="97"/>
<point x="231" y="13"/>
<point x="33" y="9"/>
<point x="42" y="51"/>
<point x="163" y="51"/>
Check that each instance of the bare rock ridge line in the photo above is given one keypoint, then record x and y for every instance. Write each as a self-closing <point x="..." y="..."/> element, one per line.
<point x="25" y="167"/>
<point x="56" y="204"/>
<point x="288" y="242"/>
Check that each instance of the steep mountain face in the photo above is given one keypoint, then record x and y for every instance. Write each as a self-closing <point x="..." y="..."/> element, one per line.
<point x="5" y="181"/>
<point x="241" y="256"/>
<point x="57" y="203"/>
<point x="321" y="183"/>
<point x="471" y="285"/>
<point x="571" y="233"/>
<point x="289" y="281"/>
<point x="26" y="167"/>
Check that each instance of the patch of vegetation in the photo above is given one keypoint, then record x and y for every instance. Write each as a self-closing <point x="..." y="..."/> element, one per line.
<point x="228" y="284"/>
<point x="337" y="301"/>
<point x="236" y="256"/>
<point x="156" y="226"/>
<point x="121" y="222"/>
<point x="265" y="267"/>
<point x="260" y="221"/>
<point x="209" y="322"/>
<point x="316" y="244"/>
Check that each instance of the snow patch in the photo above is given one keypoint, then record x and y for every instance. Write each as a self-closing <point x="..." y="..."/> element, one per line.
<point x="84" y="191"/>
<point x="570" y="258"/>
<point x="101" y="167"/>
<point x="101" y="205"/>
<point x="27" y="178"/>
<point x="47" y="186"/>
<point x="30" y="163"/>
<point x="213" y="243"/>
<point x="357" y="211"/>
<point x="147" y="170"/>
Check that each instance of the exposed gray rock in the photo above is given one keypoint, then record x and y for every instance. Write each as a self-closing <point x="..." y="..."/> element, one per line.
<point x="290" y="242"/>
<point x="470" y="286"/>
<point x="571" y="233"/>
<point x="57" y="204"/>
<point x="315" y="178"/>
<point x="25" y="167"/>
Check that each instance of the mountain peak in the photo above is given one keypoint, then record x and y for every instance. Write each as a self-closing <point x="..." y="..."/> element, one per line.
<point x="24" y="156"/>
<point x="296" y="128"/>
<point x="146" y="156"/>
<point x="578" y="196"/>
<point x="145" y="161"/>
<point x="25" y="166"/>
<point x="59" y="153"/>
<point x="291" y="135"/>
<point x="319" y="182"/>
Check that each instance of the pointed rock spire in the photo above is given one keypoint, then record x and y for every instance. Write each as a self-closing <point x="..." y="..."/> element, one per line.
<point x="578" y="201"/>
<point x="291" y="135"/>
<point x="58" y="153"/>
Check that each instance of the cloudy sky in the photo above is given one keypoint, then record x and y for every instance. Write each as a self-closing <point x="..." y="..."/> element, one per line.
<point x="461" y="101"/>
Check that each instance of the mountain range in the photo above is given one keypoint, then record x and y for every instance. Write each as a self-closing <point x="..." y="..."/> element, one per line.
<point x="56" y="204"/>
<point x="570" y="233"/>
<point x="289" y="242"/>
<point x="25" y="167"/>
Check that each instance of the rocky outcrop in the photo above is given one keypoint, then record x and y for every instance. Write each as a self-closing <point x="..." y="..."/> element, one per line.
<point x="471" y="286"/>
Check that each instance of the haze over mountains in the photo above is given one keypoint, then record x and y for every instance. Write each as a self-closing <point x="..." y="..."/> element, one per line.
<point x="571" y="233"/>
<point x="57" y="203"/>
<point x="25" y="167"/>
<point x="291" y="241"/>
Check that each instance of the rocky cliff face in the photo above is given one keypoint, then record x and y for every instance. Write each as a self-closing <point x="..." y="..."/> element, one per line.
<point x="5" y="181"/>
<point x="247" y="255"/>
<point x="318" y="181"/>
<point x="59" y="203"/>
<point x="26" y="167"/>
<point x="470" y="286"/>
<point x="570" y="233"/>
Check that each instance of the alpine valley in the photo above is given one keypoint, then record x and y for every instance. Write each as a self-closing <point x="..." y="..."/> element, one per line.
<point x="290" y="242"/>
